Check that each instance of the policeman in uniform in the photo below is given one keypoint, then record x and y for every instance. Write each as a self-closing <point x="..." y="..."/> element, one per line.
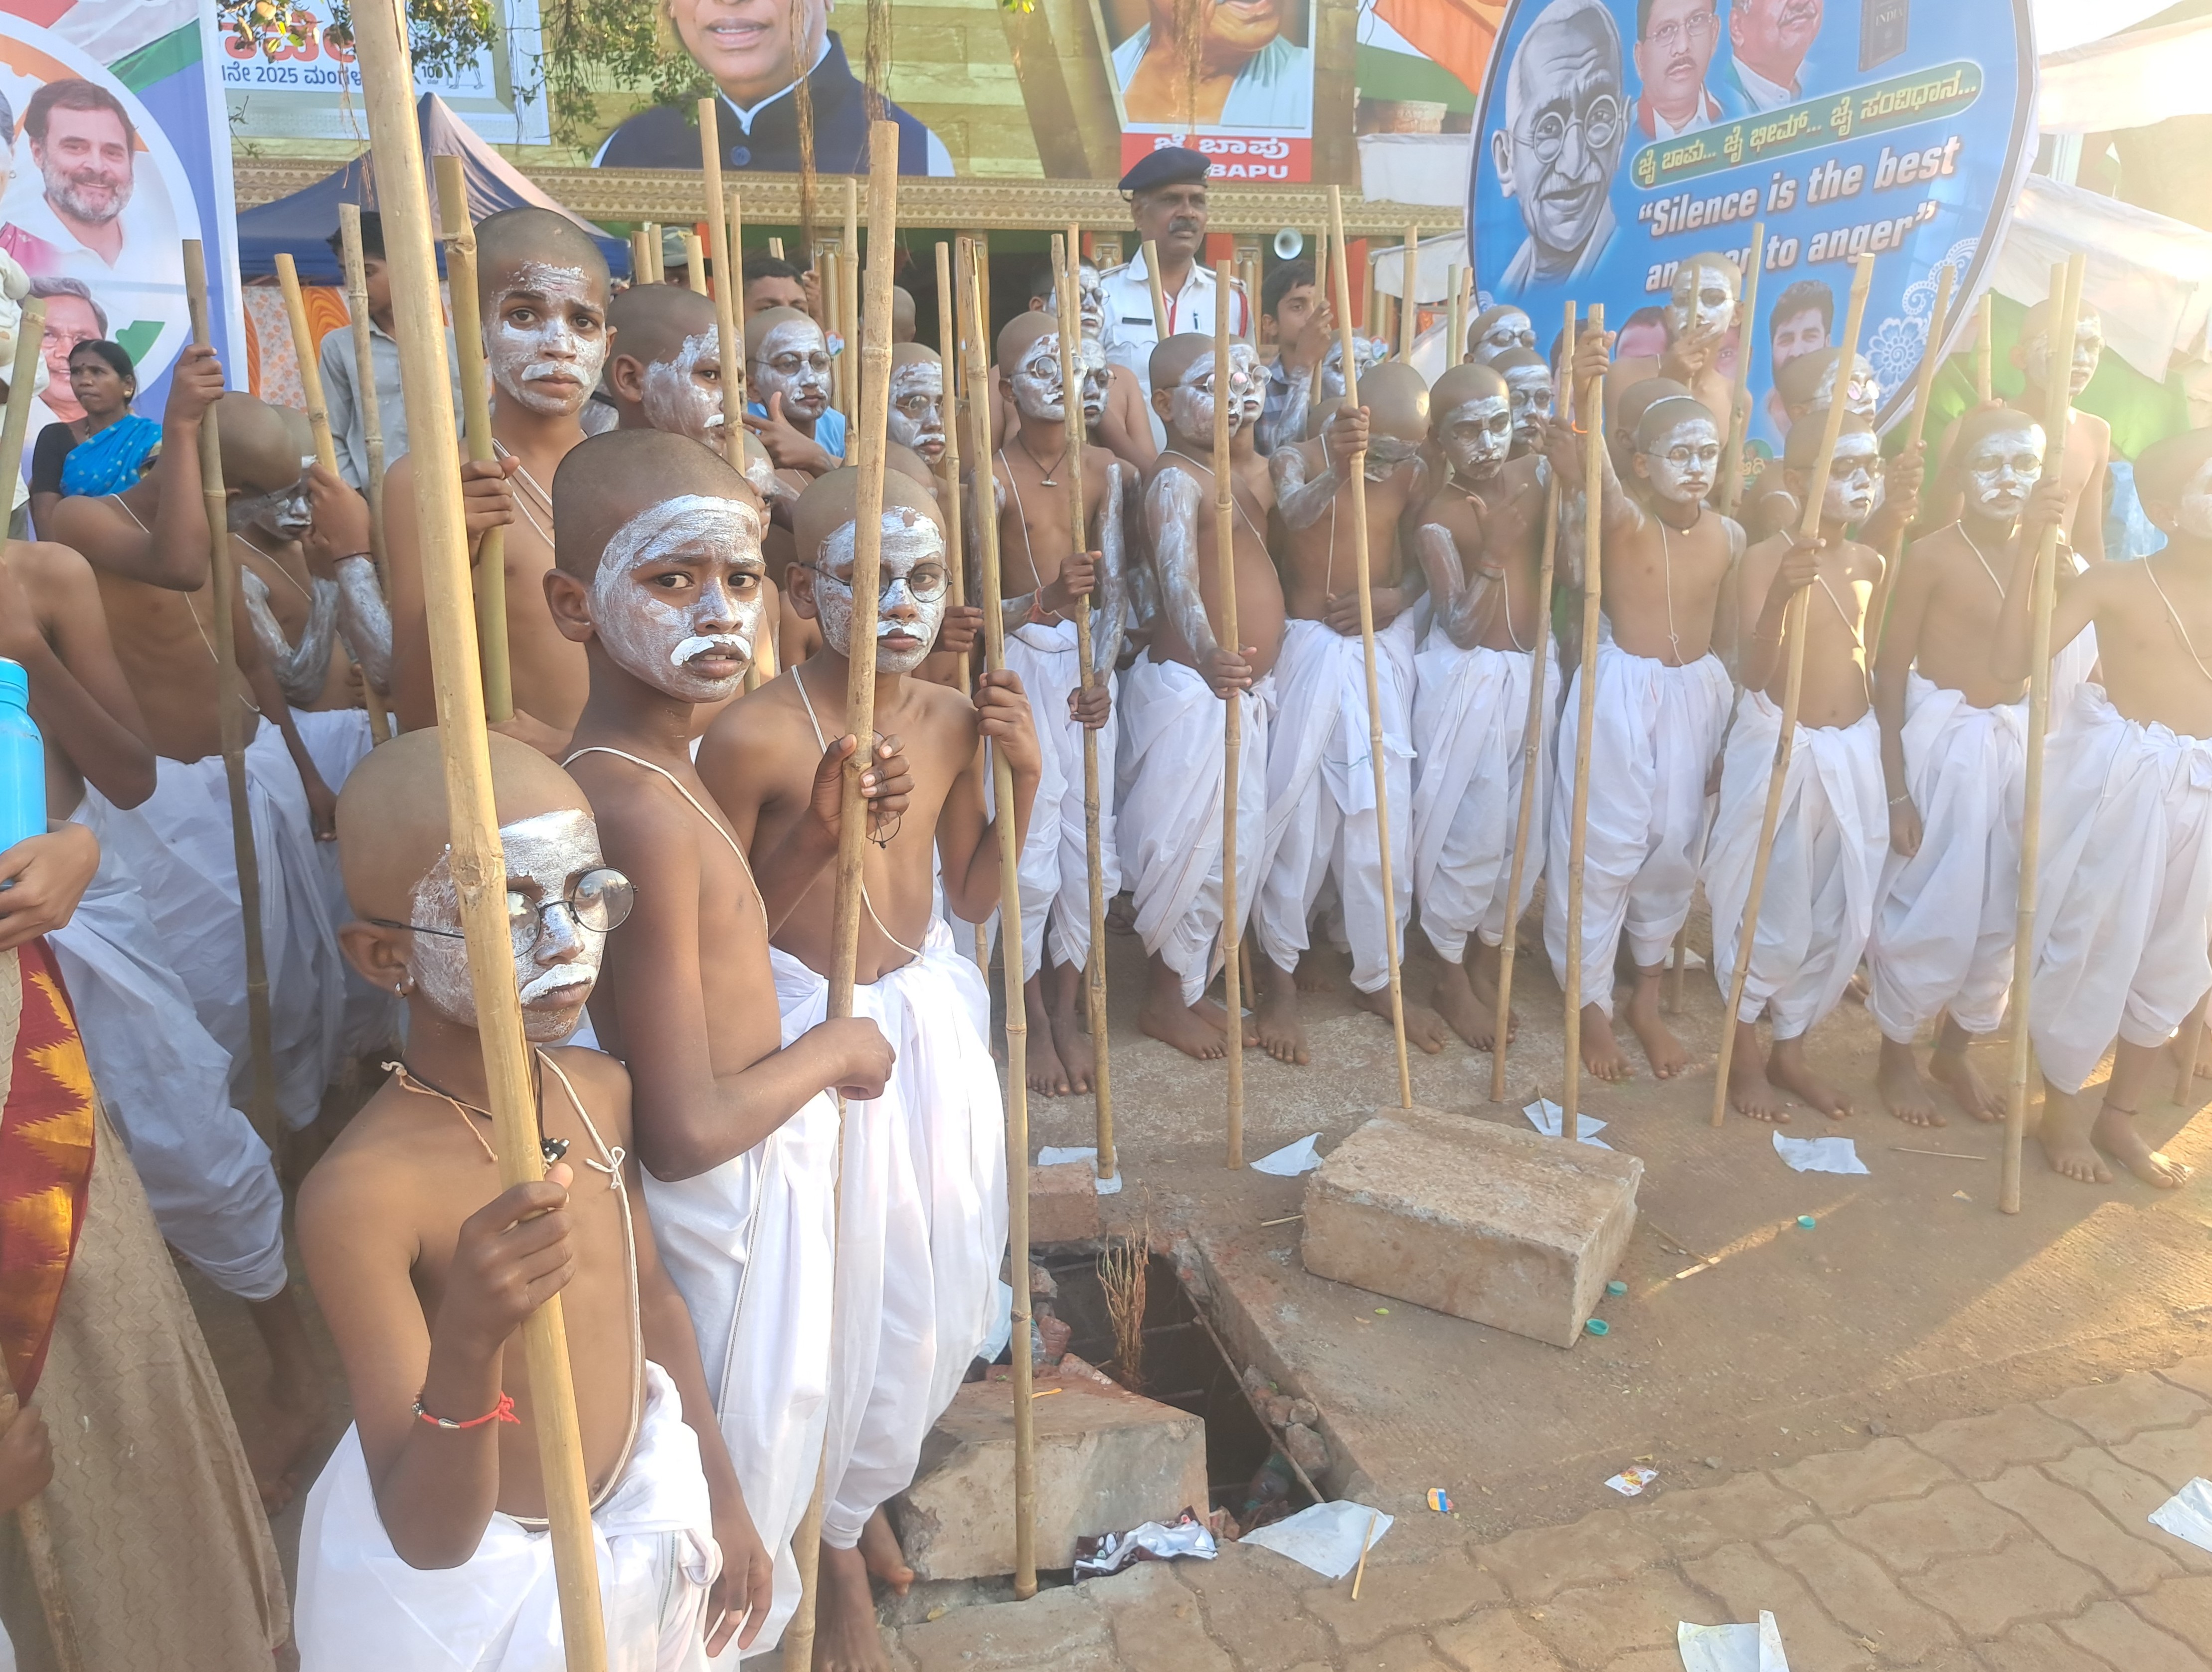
<point x="1166" y="193"/>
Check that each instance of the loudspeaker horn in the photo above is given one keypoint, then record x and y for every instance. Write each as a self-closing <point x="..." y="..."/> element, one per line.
<point x="1288" y="242"/>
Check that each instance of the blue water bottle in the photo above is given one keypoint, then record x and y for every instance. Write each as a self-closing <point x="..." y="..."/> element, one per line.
<point x="22" y="760"/>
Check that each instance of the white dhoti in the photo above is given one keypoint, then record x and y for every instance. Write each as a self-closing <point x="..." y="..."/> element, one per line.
<point x="924" y="1226"/>
<point x="178" y="845"/>
<point x="1470" y="719"/>
<point x="2124" y="887"/>
<point x="166" y="1081"/>
<point x="1942" y="937"/>
<point x="1321" y="820"/>
<point x="1055" y="867"/>
<point x="1824" y="866"/>
<point x="1654" y="732"/>
<point x="749" y="1246"/>
<point x="338" y="740"/>
<point x="362" y="1609"/>
<point x="1172" y="762"/>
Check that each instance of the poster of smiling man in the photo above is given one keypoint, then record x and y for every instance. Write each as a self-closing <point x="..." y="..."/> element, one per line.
<point x="1617" y="138"/>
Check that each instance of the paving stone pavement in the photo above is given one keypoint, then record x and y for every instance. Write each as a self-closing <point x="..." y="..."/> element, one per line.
<point x="2012" y="1542"/>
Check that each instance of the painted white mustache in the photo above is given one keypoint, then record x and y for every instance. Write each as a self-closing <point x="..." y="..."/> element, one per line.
<point x="562" y="978"/>
<point x="699" y="647"/>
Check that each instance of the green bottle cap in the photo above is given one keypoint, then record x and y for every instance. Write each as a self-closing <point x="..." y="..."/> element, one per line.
<point x="1598" y="1327"/>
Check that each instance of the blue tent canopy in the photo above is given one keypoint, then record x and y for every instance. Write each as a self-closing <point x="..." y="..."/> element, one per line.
<point x="303" y="224"/>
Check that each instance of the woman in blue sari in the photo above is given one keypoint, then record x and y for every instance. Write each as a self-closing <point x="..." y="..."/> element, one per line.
<point x="105" y="450"/>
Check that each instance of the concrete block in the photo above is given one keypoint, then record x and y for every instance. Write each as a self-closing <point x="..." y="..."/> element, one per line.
<point x="1473" y="1218"/>
<point x="1063" y="1204"/>
<point x="1106" y="1460"/>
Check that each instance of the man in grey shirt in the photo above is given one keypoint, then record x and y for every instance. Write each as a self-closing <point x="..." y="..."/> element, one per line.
<point x="341" y="378"/>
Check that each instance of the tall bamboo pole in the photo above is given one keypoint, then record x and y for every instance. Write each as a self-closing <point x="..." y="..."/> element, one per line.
<point x="1010" y="952"/>
<point x="1455" y="320"/>
<point x="476" y="408"/>
<point x="695" y="262"/>
<point x="952" y="333"/>
<point x="1924" y="380"/>
<point x="849" y="273"/>
<point x="1532" y="729"/>
<point x="1356" y="466"/>
<point x="1793" y="630"/>
<point x="1160" y="331"/>
<point x="1409" y="313"/>
<point x="1232" y="725"/>
<point x="364" y="361"/>
<point x="1730" y="486"/>
<point x="641" y="266"/>
<point x="734" y="218"/>
<point x="2057" y="418"/>
<point x="830" y="286"/>
<point x="479" y="865"/>
<point x="653" y="273"/>
<point x="230" y="689"/>
<point x="1071" y="402"/>
<point x="730" y="353"/>
<point x="1982" y="350"/>
<point x="1589" y="407"/>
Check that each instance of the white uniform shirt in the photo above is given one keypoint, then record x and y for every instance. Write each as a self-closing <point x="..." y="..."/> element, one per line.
<point x="1131" y="334"/>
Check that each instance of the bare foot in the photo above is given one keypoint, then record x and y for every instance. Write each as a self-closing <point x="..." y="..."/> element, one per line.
<point x="1073" y="1047"/>
<point x="1661" y="1049"/>
<point x="1282" y="1032"/>
<point x="1122" y="915"/>
<point x="1310" y="974"/>
<point x="2115" y="1133"/>
<point x="846" y="1636"/>
<point x="297" y="1402"/>
<point x="1788" y="1068"/>
<point x="1209" y="1010"/>
<point x="1425" y="1028"/>
<point x="1905" y="1092"/>
<point x="1602" y="1052"/>
<point x="1462" y="1008"/>
<point x="1181" y="1026"/>
<point x="2064" y="1135"/>
<point x="880" y="1551"/>
<point x="1750" y="1092"/>
<point x="1975" y="1095"/>
<point x="1046" y="1075"/>
<point x="1857" y="987"/>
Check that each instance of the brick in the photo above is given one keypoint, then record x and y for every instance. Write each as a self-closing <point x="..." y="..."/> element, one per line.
<point x="1535" y="1564"/>
<point x="1475" y="1219"/>
<point x="2173" y="1456"/>
<point x="2075" y="1526"/>
<point x="1985" y="1595"/>
<point x="1156" y="1622"/>
<point x="1417" y="1593"/>
<point x="1106" y="1460"/>
<point x="1908" y="1534"/>
<point x="1495" y="1641"/>
<point x="1981" y="1448"/>
<point x="1841" y="1482"/>
<point x="2183" y="1607"/>
<point x="2119" y="1410"/>
<point x="1063" y="1629"/>
<point x="2194" y="1374"/>
<point x="2115" y="1632"/>
<point x="1247" y="1597"/>
<point x="1063" y="1204"/>
<point x="2129" y="1496"/>
<point x="2036" y="1649"/>
<point x="1592" y="1624"/>
<point x="1747" y="1507"/>
<point x="1747" y="1579"/>
<point x="1862" y="1598"/>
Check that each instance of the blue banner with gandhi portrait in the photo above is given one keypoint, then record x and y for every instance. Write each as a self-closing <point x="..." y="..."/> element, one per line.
<point x="1616" y="137"/>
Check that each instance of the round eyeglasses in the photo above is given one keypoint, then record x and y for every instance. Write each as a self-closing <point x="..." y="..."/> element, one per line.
<point x="925" y="582"/>
<point x="600" y="900"/>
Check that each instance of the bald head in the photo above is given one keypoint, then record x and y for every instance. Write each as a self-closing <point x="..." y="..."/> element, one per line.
<point x="2174" y="477"/>
<point x="914" y="578"/>
<point x="910" y="465"/>
<point x="607" y="479"/>
<point x="1396" y="397"/>
<point x="1173" y="357"/>
<point x="1802" y="452"/>
<point x="1498" y="329"/>
<point x="902" y="316"/>
<point x="650" y="321"/>
<point x="1469" y="381"/>
<point x="1474" y="419"/>
<point x="514" y="239"/>
<point x="261" y="448"/>
<point x="916" y="417"/>
<point x="1639" y="398"/>
<point x="830" y="505"/>
<point x="1022" y="331"/>
<point x="2009" y="421"/>
<point x="760" y="326"/>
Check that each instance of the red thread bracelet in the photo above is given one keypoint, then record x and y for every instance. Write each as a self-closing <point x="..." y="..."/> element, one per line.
<point x="502" y="1412"/>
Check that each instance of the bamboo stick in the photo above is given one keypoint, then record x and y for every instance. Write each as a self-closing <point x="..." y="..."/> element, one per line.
<point x="1793" y="631"/>
<point x="1409" y="313"/>
<point x="479" y="863"/>
<point x="775" y="248"/>
<point x="1010" y="953"/>
<point x="695" y="262"/>
<point x="1924" y="380"/>
<point x="733" y="363"/>
<point x="848" y="296"/>
<point x="1232" y="727"/>
<point x="640" y="267"/>
<point x="1367" y="298"/>
<point x="653" y="274"/>
<point x="38" y="1537"/>
<point x="1455" y="321"/>
<point x="953" y="335"/>
<point x="1730" y="486"/>
<point x="1160" y="331"/>
<point x="306" y="352"/>
<point x="827" y="288"/>
<point x="476" y="408"/>
<point x="1071" y="401"/>
<point x="2057" y="418"/>
<point x="729" y="342"/>
<point x="230" y="687"/>
<point x="1982" y="350"/>
<point x="1590" y="409"/>
<point x="1532" y="731"/>
<point x="364" y="361"/>
<point x="1356" y="467"/>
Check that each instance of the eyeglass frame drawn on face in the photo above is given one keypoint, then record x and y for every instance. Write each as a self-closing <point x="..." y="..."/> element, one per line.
<point x="576" y="917"/>
<point x="884" y="588"/>
<point x="1537" y="143"/>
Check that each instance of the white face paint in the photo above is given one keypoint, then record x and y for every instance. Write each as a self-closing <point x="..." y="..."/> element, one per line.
<point x="285" y="513"/>
<point x="1476" y="435"/>
<point x="1036" y="381"/>
<point x="1097" y="381"/>
<point x="676" y="599"/>
<point x="2197" y="503"/>
<point x="2002" y="468"/>
<point x="916" y="418"/>
<point x="1702" y="303"/>
<point x="1386" y="454"/>
<point x="1190" y="403"/>
<point x="1510" y="330"/>
<point x="683" y="392"/>
<point x="1369" y="350"/>
<point x="1683" y="463"/>
<point x="912" y="558"/>
<point x="1865" y="397"/>
<point x="557" y="960"/>
<point x="1854" y="480"/>
<point x="2088" y="350"/>
<point x="1244" y="361"/>
<point x="1531" y="390"/>
<point x="546" y="338"/>
<point x="794" y="362"/>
